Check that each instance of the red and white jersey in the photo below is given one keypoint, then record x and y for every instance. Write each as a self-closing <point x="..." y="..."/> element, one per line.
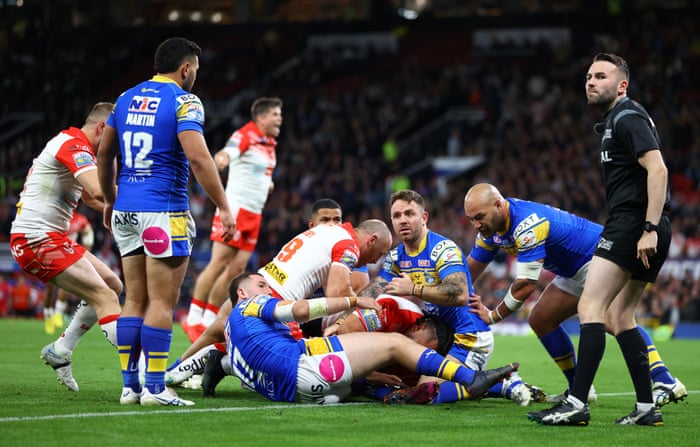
<point x="252" y="159"/>
<point x="302" y="265"/>
<point x="51" y="191"/>
<point x="398" y="315"/>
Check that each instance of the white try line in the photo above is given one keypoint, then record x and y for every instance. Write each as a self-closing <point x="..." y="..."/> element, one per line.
<point x="213" y="410"/>
<point x="170" y="411"/>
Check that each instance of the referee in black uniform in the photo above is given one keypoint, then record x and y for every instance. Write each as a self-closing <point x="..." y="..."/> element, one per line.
<point x="631" y="250"/>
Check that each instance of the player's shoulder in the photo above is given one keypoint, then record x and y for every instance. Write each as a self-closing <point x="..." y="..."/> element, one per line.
<point x="436" y="241"/>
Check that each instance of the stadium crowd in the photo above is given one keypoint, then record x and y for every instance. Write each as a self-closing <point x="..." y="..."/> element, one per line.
<point x="343" y="102"/>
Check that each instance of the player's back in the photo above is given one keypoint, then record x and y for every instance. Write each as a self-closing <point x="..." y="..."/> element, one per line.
<point x="263" y="354"/>
<point x="303" y="264"/>
<point x="569" y="240"/>
<point x="154" y="170"/>
<point x="51" y="191"/>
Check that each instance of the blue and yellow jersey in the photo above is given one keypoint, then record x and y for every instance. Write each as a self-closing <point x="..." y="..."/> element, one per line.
<point x="262" y="351"/>
<point x="564" y="241"/>
<point x="436" y="258"/>
<point x="154" y="170"/>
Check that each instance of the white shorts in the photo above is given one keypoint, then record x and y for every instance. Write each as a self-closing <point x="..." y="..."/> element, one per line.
<point x="323" y="378"/>
<point x="473" y="349"/>
<point x="160" y="235"/>
<point x="573" y="285"/>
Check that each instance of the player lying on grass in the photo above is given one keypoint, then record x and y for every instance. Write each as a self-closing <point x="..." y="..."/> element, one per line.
<point x="269" y="360"/>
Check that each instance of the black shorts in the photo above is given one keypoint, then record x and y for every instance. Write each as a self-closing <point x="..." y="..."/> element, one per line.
<point x="618" y="244"/>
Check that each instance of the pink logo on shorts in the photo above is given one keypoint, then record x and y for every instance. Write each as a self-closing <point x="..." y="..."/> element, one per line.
<point x="331" y="368"/>
<point x="156" y="240"/>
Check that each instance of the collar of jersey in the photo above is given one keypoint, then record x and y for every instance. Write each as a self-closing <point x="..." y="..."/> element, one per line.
<point x="507" y="221"/>
<point x="161" y="78"/>
<point x="421" y="246"/>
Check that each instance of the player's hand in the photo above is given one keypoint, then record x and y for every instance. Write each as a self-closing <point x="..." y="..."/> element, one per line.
<point x="376" y="378"/>
<point x="228" y="224"/>
<point x="401" y="286"/>
<point x="646" y="247"/>
<point x="107" y="216"/>
<point x="477" y="307"/>
<point x="366" y="302"/>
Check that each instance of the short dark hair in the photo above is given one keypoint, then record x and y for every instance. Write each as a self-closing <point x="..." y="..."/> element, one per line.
<point x="616" y="60"/>
<point x="408" y="195"/>
<point x="235" y="283"/>
<point x="325" y="204"/>
<point x="444" y="333"/>
<point x="263" y="105"/>
<point x="172" y="52"/>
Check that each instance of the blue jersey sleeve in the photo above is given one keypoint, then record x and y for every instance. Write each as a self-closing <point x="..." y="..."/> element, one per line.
<point x="260" y="306"/>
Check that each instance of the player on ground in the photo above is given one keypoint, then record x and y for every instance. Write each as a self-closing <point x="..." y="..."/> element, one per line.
<point x="192" y="361"/>
<point x="269" y="360"/>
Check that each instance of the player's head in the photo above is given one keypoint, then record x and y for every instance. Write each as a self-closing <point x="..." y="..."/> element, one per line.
<point x="180" y="57"/>
<point x="606" y="81"/>
<point x="409" y="218"/>
<point x="432" y="332"/>
<point x="325" y="211"/>
<point x="374" y="239"/>
<point x="245" y="285"/>
<point x="267" y="114"/>
<point x="95" y="122"/>
<point x="486" y="209"/>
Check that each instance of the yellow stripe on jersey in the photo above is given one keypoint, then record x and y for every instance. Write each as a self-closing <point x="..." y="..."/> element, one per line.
<point x="318" y="345"/>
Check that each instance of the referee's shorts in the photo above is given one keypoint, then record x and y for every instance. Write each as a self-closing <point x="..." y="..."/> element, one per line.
<point x="618" y="244"/>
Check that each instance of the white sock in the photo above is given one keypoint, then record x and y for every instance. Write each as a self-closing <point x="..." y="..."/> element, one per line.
<point x="110" y="332"/>
<point x="644" y="406"/>
<point x="84" y="318"/>
<point x="194" y="316"/>
<point x="226" y="365"/>
<point x="209" y="315"/>
<point x="196" y="360"/>
<point x="575" y="402"/>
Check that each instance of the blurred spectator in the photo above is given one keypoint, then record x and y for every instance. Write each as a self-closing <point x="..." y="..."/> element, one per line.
<point x="24" y="297"/>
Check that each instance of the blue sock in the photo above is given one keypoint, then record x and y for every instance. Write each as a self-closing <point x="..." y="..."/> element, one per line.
<point x="375" y="392"/>
<point x="559" y="346"/>
<point x="156" y="347"/>
<point x="129" y="345"/>
<point x="450" y="392"/>
<point x="433" y="364"/>
<point x="496" y="390"/>
<point x="657" y="368"/>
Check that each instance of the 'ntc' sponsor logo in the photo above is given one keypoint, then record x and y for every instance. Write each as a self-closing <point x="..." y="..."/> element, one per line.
<point x="144" y="104"/>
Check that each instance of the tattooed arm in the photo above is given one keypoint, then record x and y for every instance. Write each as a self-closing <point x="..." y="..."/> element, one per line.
<point x="452" y="291"/>
<point x="375" y="288"/>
